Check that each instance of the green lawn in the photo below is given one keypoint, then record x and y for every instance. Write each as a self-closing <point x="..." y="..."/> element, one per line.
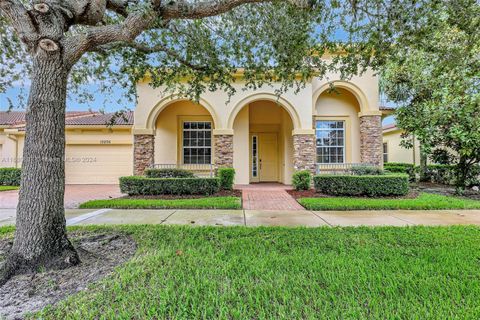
<point x="200" y="203"/>
<point x="425" y="201"/>
<point x="8" y="188"/>
<point x="288" y="273"/>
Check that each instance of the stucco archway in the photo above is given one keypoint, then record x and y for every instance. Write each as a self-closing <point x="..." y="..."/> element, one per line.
<point x="165" y="102"/>
<point x="341" y="84"/>
<point x="285" y="104"/>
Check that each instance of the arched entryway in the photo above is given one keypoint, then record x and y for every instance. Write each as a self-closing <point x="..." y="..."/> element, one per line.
<point x="179" y="133"/>
<point x="183" y="135"/>
<point x="263" y="143"/>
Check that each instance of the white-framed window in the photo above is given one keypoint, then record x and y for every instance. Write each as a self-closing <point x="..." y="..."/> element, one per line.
<point x="197" y="142"/>
<point x="330" y="141"/>
<point x="385" y="152"/>
<point x="254" y="156"/>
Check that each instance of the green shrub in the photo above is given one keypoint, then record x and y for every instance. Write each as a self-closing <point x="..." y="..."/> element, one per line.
<point x="440" y="173"/>
<point x="350" y="185"/>
<point x="10" y="176"/>
<point x="397" y="167"/>
<point x="136" y="185"/>
<point x="301" y="180"/>
<point x="366" y="171"/>
<point x="168" y="173"/>
<point x="226" y="177"/>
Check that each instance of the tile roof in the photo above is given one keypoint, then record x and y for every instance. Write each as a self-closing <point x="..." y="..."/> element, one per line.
<point x="391" y="126"/>
<point x="11" y="118"/>
<point x="72" y="118"/>
<point x="386" y="108"/>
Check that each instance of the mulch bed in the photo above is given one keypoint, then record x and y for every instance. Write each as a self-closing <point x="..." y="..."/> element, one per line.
<point x="100" y="253"/>
<point x="447" y="190"/>
<point x="222" y="193"/>
<point x="312" y="194"/>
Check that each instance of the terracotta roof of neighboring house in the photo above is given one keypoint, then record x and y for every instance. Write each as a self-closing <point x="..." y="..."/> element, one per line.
<point x="390" y="127"/>
<point x="72" y="118"/>
<point x="97" y="118"/>
<point x="386" y="108"/>
<point x="12" y="118"/>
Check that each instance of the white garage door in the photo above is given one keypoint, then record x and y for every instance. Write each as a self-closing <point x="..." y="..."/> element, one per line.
<point x="97" y="164"/>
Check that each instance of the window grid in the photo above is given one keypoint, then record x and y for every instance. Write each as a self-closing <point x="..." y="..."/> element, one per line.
<point x="385" y="152"/>
<point x="330" y="141"/>
<point x="254" y="156"/>
<point x="197" y="142"/>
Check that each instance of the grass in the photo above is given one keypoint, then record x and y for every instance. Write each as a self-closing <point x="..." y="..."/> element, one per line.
<point x="200" y="203"/>
<point x="288" y="273"/>
<point x="8" y="188"/>
<point x="425" y="201"/>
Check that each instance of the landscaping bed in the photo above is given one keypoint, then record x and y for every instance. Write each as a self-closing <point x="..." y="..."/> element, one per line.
<point x="218" y="202"/>
<point x="240" y="273"/>
<point x="221" y="193"/>
<point x="100" y="253"/>
<point x="424" y="201"/>
<point x="311" y="193"/>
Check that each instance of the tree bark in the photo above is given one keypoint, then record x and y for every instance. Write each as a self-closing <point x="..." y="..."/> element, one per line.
<point x="40" y="236"/>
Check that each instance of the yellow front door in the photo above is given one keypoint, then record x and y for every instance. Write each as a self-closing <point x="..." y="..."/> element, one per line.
<point x="268" y="156"/>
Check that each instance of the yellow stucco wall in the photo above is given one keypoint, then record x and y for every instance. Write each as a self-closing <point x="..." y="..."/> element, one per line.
<point x="397" y="153"/>
<point x="168" y="129"/>
<point x="342" y="105"/>
<point x="241" y="147"/>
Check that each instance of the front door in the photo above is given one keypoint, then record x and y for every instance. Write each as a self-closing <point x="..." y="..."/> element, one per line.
<point x="268" y="156"/>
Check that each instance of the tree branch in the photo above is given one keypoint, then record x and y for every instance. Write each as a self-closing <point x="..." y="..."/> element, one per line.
<point x="93" y="37"/>
<point x="119" y="6"/>
<point x="151" y="49"/>
<point x="22" y="22"/>
<point x="185" y="10"/>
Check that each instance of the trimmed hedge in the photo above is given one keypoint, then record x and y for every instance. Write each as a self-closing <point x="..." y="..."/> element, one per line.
<point x="301" y="180"/>
<point x="10" y="176"/>
<point x="226" y="176"/>
<point x="168" y="173"/>
<point x="366" y="171"/>
<point x="396" y="167"/>
<point x="136" y="185"/>
<point x="374" y="185"/>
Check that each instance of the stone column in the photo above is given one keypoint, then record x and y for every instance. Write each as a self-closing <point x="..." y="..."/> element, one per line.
<point x="143" y="152"/>
<point x="223" y="154"/>
<point x="304" y="152"/>
<point x="371" y="139"/>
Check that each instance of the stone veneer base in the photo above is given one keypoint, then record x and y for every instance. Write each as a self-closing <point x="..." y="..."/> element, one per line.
<point x="143" y="152"/>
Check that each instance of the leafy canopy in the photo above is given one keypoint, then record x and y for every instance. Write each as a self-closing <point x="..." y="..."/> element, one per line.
<point x="436" y="81"/>
<point x="275" y="40"/>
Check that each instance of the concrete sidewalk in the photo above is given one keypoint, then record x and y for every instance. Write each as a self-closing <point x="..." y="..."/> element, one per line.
<point x="264" y="217"/>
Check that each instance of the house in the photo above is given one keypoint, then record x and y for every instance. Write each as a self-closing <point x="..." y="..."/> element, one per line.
<point x="264" y="137"/>
<point x="393" y="151"/>
<point x="95" y="153"/>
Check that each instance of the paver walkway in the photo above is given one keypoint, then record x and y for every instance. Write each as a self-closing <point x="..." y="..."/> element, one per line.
<point x="267" y="196"/>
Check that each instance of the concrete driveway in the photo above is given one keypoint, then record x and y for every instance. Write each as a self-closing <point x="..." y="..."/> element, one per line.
<point x="75" y="194"/>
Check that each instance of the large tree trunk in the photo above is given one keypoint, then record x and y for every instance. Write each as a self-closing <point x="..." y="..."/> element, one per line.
<point x="40" y="236"/>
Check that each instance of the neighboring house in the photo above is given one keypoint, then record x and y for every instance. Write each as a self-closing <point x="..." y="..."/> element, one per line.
<point x="393" y="151"/>
<point x="95" y="153"/>
<point x="265" y="138"/>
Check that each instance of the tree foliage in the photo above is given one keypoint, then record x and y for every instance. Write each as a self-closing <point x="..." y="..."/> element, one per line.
<point x="436" y="81"/>
<point x="270" y="40"/>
